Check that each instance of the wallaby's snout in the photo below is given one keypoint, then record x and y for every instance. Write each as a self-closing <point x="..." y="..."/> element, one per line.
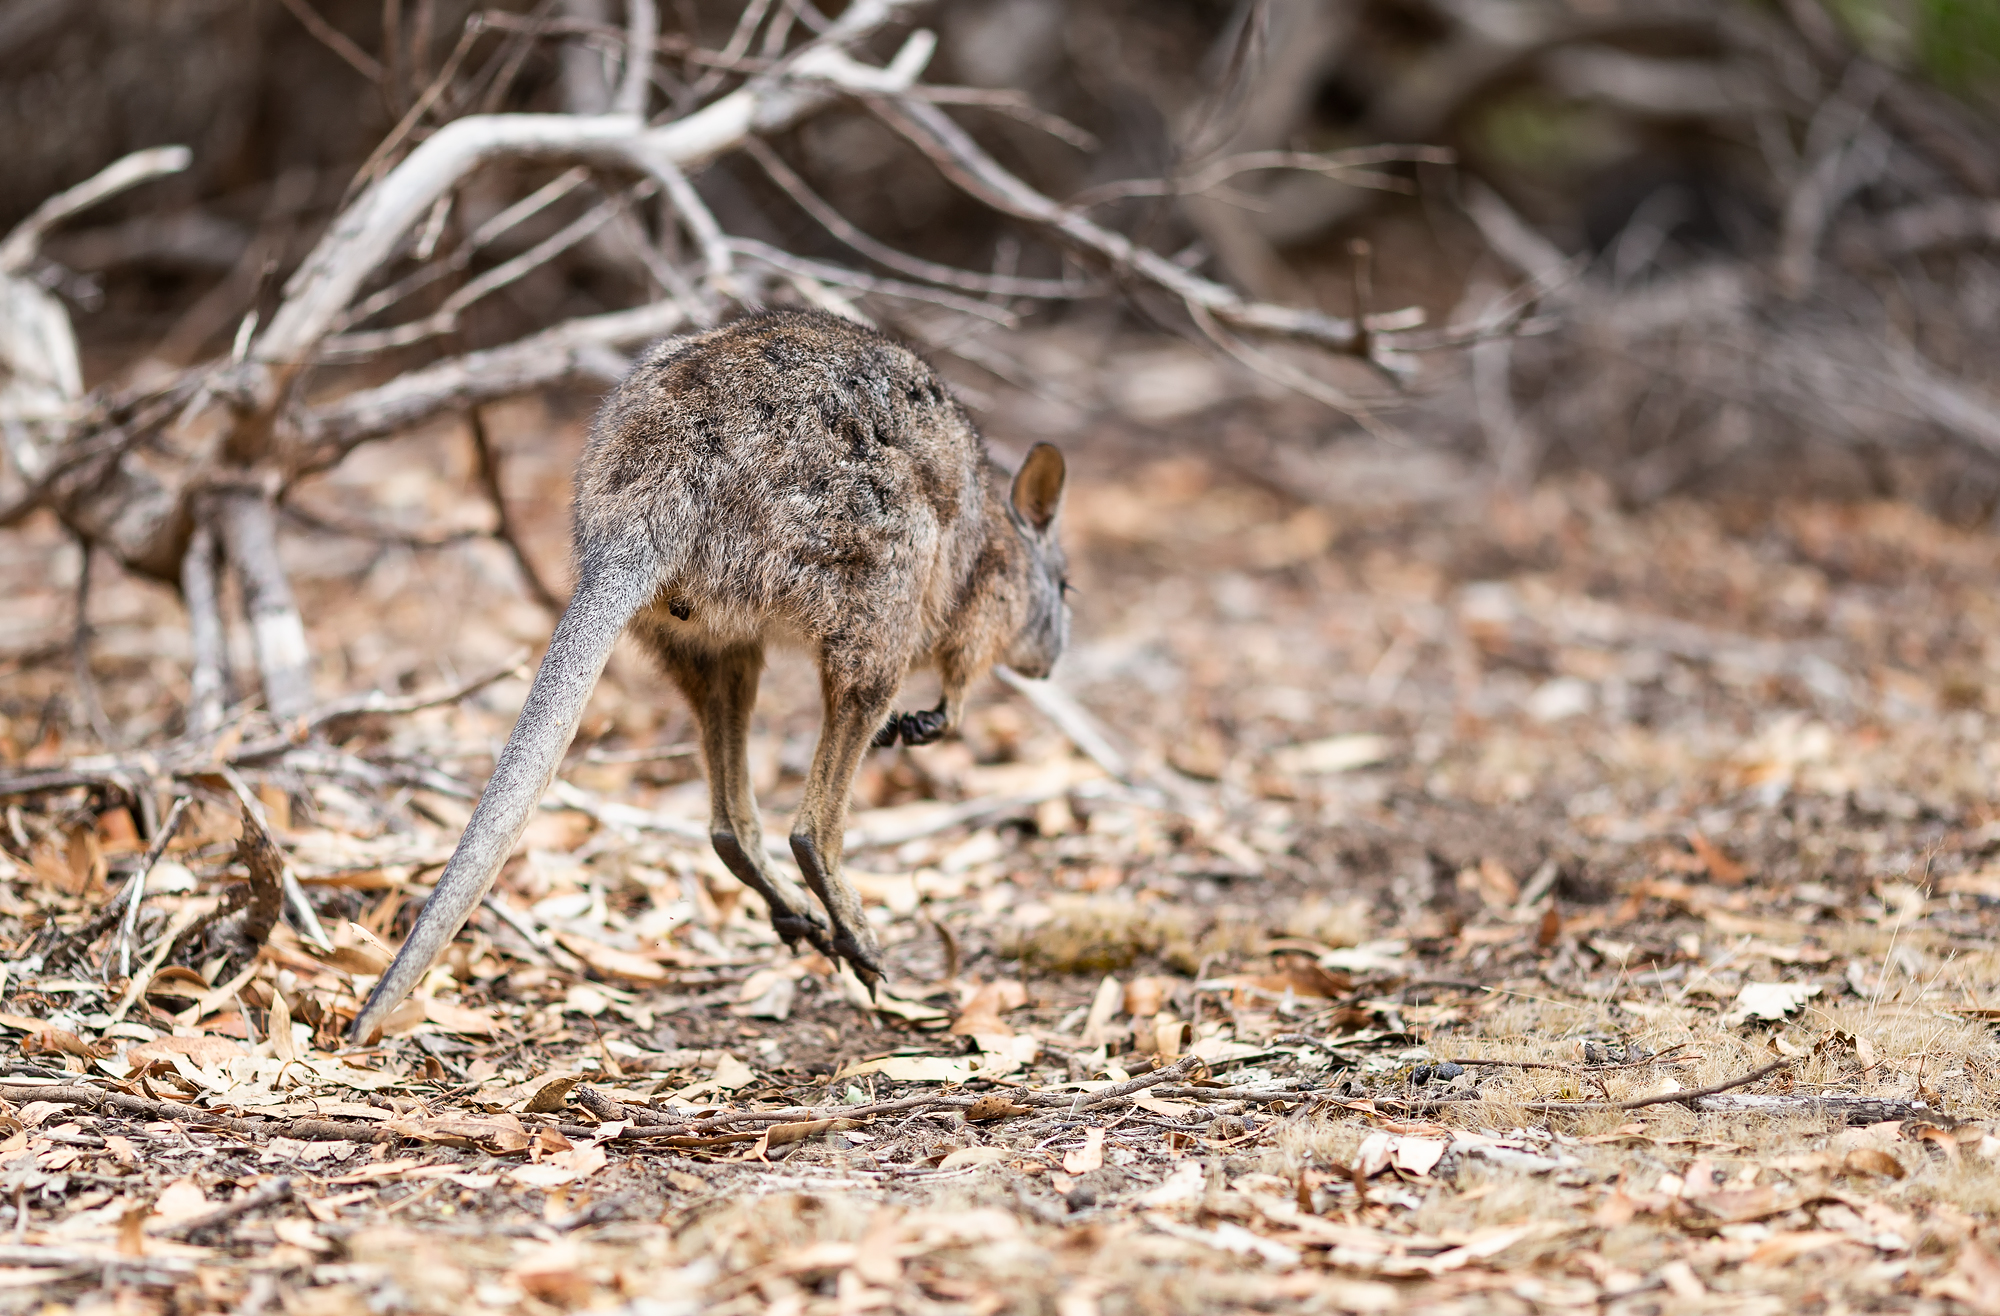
<point x="1036" y="503"/>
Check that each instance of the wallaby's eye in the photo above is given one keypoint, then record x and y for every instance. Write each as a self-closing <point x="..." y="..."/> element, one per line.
<point x="1065" y="588"/>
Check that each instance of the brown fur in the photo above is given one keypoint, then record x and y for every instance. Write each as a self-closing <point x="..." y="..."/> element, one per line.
<point x="787" y="479"/>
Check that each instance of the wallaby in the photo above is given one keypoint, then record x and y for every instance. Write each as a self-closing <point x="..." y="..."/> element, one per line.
<point x="790" y="478"/>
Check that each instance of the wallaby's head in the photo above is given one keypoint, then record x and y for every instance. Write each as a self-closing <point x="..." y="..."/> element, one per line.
<point x="1033" y="507"/>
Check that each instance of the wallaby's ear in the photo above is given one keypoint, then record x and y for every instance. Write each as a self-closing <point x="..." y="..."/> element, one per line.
<point x="1038" y="486"/>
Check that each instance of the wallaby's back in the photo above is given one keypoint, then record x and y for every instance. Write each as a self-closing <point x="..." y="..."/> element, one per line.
<point x="791" y="470"/>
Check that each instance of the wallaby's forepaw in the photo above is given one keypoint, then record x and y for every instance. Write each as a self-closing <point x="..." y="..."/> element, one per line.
<point x="923" y="727"/>
<point x="926" y="726"/>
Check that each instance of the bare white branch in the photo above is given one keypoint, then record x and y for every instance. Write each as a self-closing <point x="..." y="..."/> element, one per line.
<point x="134" y="169"/>
<point x="367" y="233"/>
<point x="642" y="22"/>
<point x="529" y="363"/>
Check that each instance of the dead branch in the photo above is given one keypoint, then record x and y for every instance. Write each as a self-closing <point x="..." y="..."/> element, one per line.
<point x="503" y="523"/>
<point x="255" y="1199"/>
<point x="366" y="233"/>
<point x="1684" y="1098"/>
<point x="207" y="679"/>
<point x="327" y="434"/>
<point x="883" y="254"/>
<point x="21" y="244"/>
<point x="79" y="652"/>
<point x="248" y="521"/>
<point x="1929" y="226"/>
<point x="961" y="159"/>
<point x="135" y="893"/>
<point x="197" y="1117"/>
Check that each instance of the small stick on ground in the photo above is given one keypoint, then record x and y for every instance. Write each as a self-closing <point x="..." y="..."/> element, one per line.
<point x="1661" y="1058"/>
<point x="208" y="678"/>
<point x="136" y="892"/>
<point x="503" y="524"/>
<point x="1665" y="1098"/>
<point x="184" y="918"/>
<point x="86" y="684"/>
<point x="270" y="1194"/>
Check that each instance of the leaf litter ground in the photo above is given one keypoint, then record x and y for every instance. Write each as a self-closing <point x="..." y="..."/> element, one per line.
<point x="1459" y="845"/>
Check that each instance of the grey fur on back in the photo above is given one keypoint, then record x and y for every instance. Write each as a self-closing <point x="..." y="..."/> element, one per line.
<point x="790" y="479"/>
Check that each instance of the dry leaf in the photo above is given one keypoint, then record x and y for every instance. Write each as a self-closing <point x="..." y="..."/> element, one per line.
<point x="180" y="1200"/>
<point x="1769" y="1000"/>
<point x="1331" y="755"/>
<point x="777" y="1135"/>
<point x="459" y="1018"/>
<point x="1090" y="1156"/>
<point x="1783" y="1248"/>
<point x="731" y="1074"/>
<point x="283" y="1045"/>
<point x="357" y="950"/>
<point x="1187" y="1183"/>
<point x="1145" y="996"/>
<point x="499" y="1133"/>
<point x="1721" y="868"/>
<point x="132" y="1231"/>
<point x="300" y="1233"/>
<point x="913" y="1069"/>
<point x="57" y="1041"/>
<point x="1872" y="1161"/>
<point x="984" y="1007"/>
<point x="553" y="1095"/>
<point x="208" y="1050"/>
<point x="1974" y="1280"/>
<point x="1001" y="1054"/>
<point x="993" y="1106"/>
<point x="611" y="961"/>
<point x="1104" y="1007"/>
<point x="966" y="1156"/>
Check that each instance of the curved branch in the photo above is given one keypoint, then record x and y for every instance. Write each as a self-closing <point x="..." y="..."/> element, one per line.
<point x="536" y="361"/>
<point x="249" y="524"/>
<point x="962" y="160"/>
<point x="136" y="168"/>
<point x="366" y="234"/>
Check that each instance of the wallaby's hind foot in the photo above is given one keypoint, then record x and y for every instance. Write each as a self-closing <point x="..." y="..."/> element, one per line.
<point x="792" y="917"/>
<point x="853" y="940"/>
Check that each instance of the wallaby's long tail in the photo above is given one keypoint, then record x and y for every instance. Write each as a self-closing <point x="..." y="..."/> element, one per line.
<point x="606" y="597"/>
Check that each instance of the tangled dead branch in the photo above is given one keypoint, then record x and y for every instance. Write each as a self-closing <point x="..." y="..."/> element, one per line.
<point x="226" y="439"/>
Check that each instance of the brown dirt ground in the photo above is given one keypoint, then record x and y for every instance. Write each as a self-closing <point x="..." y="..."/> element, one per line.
<point x="1422" y="773"/>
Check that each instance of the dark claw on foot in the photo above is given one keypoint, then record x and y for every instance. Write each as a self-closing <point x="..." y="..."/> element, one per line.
<point x="889" y="732"/>
<point x="861" y="960"/>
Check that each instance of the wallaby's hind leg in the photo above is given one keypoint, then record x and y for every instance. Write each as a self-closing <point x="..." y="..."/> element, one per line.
<point x="722" y="690"/>
<point x="854" y="712"/>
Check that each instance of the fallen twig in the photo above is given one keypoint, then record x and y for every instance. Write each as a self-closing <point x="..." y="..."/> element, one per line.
<point x="1664" y="1098"/>
<point x="1568" y="1066"/>
<point x="270" y="1194"/>
<point x="136" y="893"/>
<point x="305" y="1130"/>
